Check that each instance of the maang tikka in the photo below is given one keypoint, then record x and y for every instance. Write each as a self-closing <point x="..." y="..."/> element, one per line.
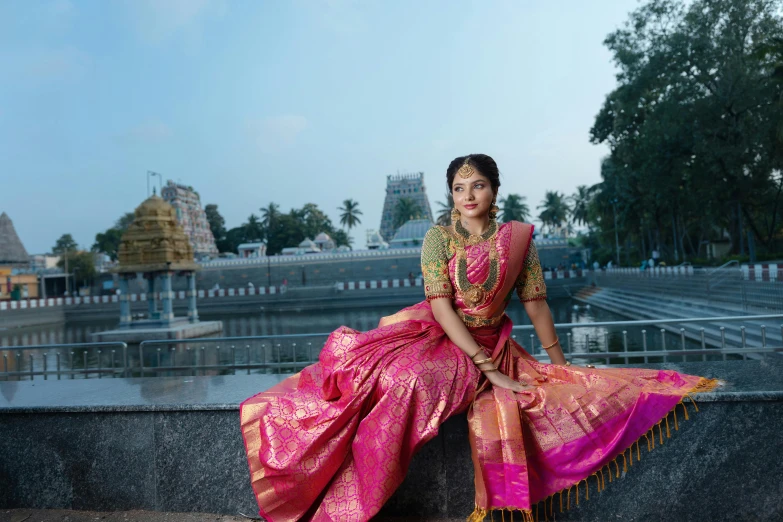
<point x="466" y="170"/>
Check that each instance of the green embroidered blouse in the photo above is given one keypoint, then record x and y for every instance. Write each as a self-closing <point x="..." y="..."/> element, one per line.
<point x="438" y="248"/>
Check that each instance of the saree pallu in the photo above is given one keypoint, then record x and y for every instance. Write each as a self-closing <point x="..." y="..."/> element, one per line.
<point x="577" y="426"/>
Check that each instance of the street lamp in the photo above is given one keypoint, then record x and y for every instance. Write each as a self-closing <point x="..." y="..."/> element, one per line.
<point x="160" y="179"/>
<point x="616" y="237"/>
<point x="75" y="284"/>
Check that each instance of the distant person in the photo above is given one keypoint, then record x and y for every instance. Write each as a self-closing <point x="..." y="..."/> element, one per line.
<point x="334" y="441"/>
<point x="651" y="262"/>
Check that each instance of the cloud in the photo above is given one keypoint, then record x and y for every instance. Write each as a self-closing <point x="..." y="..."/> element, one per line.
<point x="149" y="132"/>
<point x="159" y="20"/>
<point x="339" y="16"/>
<point x="66" y="63"/>
<point x="277" y="132"/>
<point x="59" y="8"/>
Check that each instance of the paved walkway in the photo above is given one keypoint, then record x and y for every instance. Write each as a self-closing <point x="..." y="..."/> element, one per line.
<point x="67" y="515"/>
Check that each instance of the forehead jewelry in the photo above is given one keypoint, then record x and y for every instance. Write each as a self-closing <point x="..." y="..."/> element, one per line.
<point x="465" y="171"/>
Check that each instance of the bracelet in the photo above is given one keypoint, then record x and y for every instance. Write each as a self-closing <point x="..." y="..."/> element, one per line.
<point x="480" y="351"/>
<point x="557" y="340"/>
<point x="568" y="363"/>
<point x="482" y="361"/>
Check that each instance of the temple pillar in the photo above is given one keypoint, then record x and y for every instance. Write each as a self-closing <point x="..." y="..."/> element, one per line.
<point x="125" y="313"/>
<point x="167" y="297"/>
<point x="152" y="305"/>
<point x="192" y="311"/>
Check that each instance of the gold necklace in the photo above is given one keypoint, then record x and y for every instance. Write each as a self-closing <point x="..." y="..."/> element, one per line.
<point x="475" y="294"/>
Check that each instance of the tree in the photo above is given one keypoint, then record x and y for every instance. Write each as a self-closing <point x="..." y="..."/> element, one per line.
<point x="444" y="212"/>
<point x="254" y="231"/>
<point x="82" y="265"/>
<point x="695" y="117"/>
<point x="269" y="214"/>
<point x="405" y="210"/>
<point x="513" y="208"/>
<point x="66" y="243"/>
<point x="125" y="221"/>
<point x="349" y="214"/>
<point x="313" y="221"/>
<point x="108" y="242"/>
<point x="234" y="237"/>
<point x="555" y="210"/>
<point x="216" y="222"/>
<point x="341" y="238"/>
<point x="581" y="202"/>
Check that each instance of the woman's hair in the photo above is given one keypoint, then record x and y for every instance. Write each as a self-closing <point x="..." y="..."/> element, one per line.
<point x="481" y="162"/>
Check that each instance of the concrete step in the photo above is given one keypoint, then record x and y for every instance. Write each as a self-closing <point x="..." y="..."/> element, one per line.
<point x="637" y="306"/>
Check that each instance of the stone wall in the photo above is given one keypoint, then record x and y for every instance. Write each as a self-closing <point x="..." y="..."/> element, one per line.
<point x="173" y="444"/>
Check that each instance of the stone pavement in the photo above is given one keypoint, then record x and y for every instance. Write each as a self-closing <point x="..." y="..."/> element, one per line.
<point x="67" y="515"/>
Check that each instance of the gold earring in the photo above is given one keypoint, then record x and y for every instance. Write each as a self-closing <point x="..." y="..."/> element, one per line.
<point x="493" y="210"/>
<point x="455" y="215"/>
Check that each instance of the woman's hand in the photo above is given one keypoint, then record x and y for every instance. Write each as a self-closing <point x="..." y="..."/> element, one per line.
<point x="502" y="380"/>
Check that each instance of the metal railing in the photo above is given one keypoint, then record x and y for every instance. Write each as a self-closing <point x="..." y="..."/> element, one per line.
<point x="614" y="342"/>
<point x="60" y="352"/>
<point x="711" y="342"/>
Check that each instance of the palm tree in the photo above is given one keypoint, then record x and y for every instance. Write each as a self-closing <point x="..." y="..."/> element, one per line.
<point x="254" y="231"/>
<point x="444" y="213"/>
<point x="514" y="208"/>
<point x="405" y="210"/>
<point x="350" y="214"/>
<point x="581" y="201"/>
<point x="555" y="210"/>
<point x="269" y="214"/>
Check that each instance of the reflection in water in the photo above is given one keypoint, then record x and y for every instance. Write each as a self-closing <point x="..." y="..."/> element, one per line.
<point x="192" y="358"/>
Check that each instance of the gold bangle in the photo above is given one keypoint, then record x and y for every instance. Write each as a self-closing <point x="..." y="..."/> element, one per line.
<point x="480" y="351"/>
<point x="557" y="340"/>
<point x="568" y="363"/>
<point x="482" y="361"/>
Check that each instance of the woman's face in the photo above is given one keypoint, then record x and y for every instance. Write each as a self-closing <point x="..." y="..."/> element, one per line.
<point x="472" y="196"/>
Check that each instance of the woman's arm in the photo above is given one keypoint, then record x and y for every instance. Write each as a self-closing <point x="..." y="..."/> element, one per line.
<point x="541" y="317"/>
<point x="456" y="330"/>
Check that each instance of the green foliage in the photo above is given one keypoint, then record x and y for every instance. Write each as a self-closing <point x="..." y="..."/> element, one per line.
<point x="124" y="221"/>
<point x="513" y="208"/>
<point x="82" y="265"/>
<point x="405" y="210"/>
<point x="108" y="242"/>
<point x="350" y="213"/>
<point x="216" y="222"/>
<point x="65" y="243"/>
<point x="444" y="212"/>
<point x="693" y="127"/>
<point x="555" y="210"/>
<point x="341" y="238"/>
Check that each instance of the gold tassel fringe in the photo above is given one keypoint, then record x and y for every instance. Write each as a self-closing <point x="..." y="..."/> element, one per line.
<point x="704" y="385"/>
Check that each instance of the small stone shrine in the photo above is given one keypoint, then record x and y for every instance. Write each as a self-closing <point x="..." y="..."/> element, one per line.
<point x="156" y="246"/>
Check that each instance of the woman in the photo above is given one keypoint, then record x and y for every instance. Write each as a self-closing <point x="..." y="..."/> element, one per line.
<point x="334" y="441"/>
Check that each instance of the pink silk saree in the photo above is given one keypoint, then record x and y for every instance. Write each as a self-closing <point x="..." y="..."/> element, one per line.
<point x="333" y="442"/>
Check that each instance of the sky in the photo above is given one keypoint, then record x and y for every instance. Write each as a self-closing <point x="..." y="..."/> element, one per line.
<point x="292" y="102"/>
